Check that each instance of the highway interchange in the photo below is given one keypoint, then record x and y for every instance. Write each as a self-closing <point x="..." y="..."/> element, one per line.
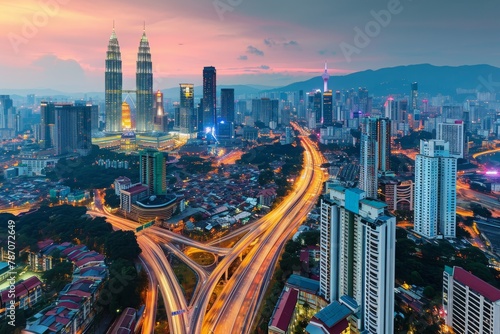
<point x="237" y="305"/>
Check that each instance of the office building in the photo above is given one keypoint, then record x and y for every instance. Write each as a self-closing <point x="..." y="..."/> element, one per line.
<point x="66" y="128"/>
<point x="209" y="97"/>
<point x="113" y="86"/>
<point x="187" y="116"/>
<point x="414" y="96"/>
<point x="453" y="133"/>
<point x="265" y="110"/>
<point x="7" y="113"/>
<point x="225" y="130"/>
<point x="470" y="304"/>
<point x="357" y="257"/>
<point x="144" y="87"/>
<point x="227" y="104"/>
<point x="435" y="190"/>
<point x="153" y="171"/>
<point x="328" y="108"/>
<point x="314" y="107"/>
<point x="159" y="112"/>
<point x="126" y="116"/>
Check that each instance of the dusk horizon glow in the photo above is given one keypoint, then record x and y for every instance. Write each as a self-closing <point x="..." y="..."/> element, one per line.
<point x="61" y="44"/>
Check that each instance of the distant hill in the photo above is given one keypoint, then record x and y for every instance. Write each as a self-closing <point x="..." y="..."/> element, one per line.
<point x="456" y="81"/>
<point x="433" y="80"/>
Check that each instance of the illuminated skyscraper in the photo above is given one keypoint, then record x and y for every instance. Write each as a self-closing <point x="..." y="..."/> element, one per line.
<point x="159" y="113"/>
<point x="328" y="108"/>
<point x="187" y="115"/>
<point x="144" y="86"/>
<point x="325" y="77"/>
<point x="209" y="97"/>
<point x="113" y="86"/>
<point x="126" y="118"/>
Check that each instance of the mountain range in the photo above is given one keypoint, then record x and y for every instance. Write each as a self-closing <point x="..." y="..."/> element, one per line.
<point x="459" y="82"/>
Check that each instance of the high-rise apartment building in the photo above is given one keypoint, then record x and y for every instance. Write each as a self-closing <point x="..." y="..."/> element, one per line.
<point x="145" y="112"/>
<point x="187" y="115"/>
<point x="453" y="133"/>
<point x="368" y="175"/>
<point x="435" y="190"/>
<point x="375" y="152"/>
<point x="66" y="128"/>
<point x="209" y="97"/>
<point x="470" y="304"/>
<point x="153" y="171"/>
<point x="113" y="86"/>
<point x="357" y="256"/>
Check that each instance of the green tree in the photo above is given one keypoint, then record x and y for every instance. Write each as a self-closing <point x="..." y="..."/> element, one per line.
<point x="122" y="244"/>
<point x="111" y="198"/>
<point x="429" y="292"/>
<point x="59" y="275"/>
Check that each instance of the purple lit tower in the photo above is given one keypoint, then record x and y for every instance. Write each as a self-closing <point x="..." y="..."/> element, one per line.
<point x="325" y="77"/>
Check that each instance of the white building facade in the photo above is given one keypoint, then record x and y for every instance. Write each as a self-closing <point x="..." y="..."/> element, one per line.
<point x="357" y="252"/>
<point x="435" y="190"/>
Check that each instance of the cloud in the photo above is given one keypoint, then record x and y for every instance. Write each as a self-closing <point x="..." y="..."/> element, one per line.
<point x="243" y="57"/>
<point x="325" y="52"/>
<point x="59" y="73"/>
<point x="281" y="42"/>
<point x="269" y="42"/>
<point x="291" y="43"/>
<point x="253" y="50"/>
<point x="264" y="67"/>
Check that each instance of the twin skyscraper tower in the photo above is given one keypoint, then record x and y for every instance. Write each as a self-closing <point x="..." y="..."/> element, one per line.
<point x="145" y="113"/>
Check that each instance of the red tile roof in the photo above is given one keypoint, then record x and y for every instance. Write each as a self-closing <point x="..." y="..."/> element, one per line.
<point x="136" y="189"/>
<point x="476" y="284"/>
<point x="283" y="313"/>
<point x="32" y="283"/>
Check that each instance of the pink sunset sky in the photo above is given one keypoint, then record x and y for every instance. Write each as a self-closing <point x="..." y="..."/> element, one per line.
<point x="271" y="43"/>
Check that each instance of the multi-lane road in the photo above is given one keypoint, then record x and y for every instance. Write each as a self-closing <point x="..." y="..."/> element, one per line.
<point x="236" y="307"/>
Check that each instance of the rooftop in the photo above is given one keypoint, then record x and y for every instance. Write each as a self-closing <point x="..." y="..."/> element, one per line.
<point x="374" y="203"/>
<point x="476" y="284"/>
<point x="284" y="309"/>
<point x="157" y="201"/>
<point x="303" y="283"/>
<point x="139" y="188"/>
<point x="333" y="313"/>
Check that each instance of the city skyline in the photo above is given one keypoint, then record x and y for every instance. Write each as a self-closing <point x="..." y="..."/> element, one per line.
<point x="278" y="47"/>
